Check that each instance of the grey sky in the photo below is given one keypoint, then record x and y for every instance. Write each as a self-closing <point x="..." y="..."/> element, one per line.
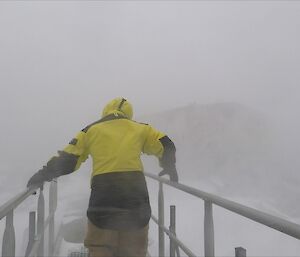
<point x="60" y="62"/>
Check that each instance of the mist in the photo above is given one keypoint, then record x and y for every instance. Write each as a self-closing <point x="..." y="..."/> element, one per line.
<point x="220" y="78"/>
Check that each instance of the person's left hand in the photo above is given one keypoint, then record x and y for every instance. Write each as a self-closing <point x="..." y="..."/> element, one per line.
<point x="36" y="179"/>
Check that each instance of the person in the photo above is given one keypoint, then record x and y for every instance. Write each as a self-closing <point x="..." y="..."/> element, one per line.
<point x="119" y="210"/>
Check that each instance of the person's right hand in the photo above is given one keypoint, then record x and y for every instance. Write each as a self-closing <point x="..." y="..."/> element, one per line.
<point x="171" y="172"/>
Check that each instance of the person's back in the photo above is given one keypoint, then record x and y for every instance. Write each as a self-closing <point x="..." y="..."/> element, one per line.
<point x="119" y="208"/>
<point x="116" y="144"/>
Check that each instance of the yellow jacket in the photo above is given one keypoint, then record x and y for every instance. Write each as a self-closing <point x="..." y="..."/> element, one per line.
<point x="115" y="143"/>
<point x="119" y="196"/>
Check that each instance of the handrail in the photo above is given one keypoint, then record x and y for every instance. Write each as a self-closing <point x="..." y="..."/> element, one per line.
<point x="15" y="202"/>
<point x="6" y="210"/>
<point x="279" y="224"/>
<point x="36" y="241"/>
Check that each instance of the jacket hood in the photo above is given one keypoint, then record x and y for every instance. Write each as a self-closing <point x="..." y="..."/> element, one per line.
<point x="118" y="106"/>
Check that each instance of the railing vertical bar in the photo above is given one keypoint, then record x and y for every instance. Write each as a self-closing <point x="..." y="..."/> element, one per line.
<point x="40" y="222"/>
<point x="209" y="248"/>
<point x="177" y="251"/>
<point x="172" y="229"/>
<point x="31" y="231"/>
<point x="161" y="220"/>
<point x="9" y="238"/>
<point x="52" y="209"/>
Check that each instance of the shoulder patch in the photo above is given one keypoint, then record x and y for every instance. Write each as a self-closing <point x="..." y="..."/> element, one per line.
<point x="73" y="141"/>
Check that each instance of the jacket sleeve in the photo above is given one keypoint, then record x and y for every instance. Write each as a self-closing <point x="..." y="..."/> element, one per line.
<point x="152" y="145"/>
<point x="162" y="147"/>
<point x="78" y="148"/>
<point x="67" y="160"/>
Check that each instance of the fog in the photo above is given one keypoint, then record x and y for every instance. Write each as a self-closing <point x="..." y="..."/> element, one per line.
<point x="221" y="78"/>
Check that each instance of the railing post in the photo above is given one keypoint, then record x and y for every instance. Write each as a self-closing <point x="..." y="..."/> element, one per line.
<point x="9" y="238"/>
<point x="172" y="229"/>
<point x="31" y="231"/>
<point x="161" y="221"/>
<point x="240" y="252"/>
<point x="209" y="248"/>
<point x="52" y="209"/>
<point x="41" y="222"/>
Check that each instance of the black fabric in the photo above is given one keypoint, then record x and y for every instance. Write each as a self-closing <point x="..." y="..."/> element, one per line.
<point x="119" y="201"/>
<point x="168" y="159"/>
<point x="37" y="179"/>
<point x="62" y="164"/>
<point x="106" y="118"/>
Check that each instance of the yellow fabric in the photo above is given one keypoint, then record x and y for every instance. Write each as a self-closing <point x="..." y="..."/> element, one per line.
<point x="116" y="145"/>
<point x="113" y="107"/>
<point x="79" y="149"/>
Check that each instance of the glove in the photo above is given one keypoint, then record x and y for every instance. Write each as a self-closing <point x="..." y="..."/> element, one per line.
<point x="37" y="179"/>
<point x="171" y="172"/>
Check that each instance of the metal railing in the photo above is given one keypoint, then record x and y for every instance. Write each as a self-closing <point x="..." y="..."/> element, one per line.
<point x="279" y="224"/>
<point x="37" y="228"/>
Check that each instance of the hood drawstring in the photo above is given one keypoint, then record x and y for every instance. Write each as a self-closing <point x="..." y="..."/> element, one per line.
<point x="118" y="106"/>
<point x="121" y="104"/>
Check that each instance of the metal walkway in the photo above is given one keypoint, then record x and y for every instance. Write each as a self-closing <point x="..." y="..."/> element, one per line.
<point x="39" y="224"/>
